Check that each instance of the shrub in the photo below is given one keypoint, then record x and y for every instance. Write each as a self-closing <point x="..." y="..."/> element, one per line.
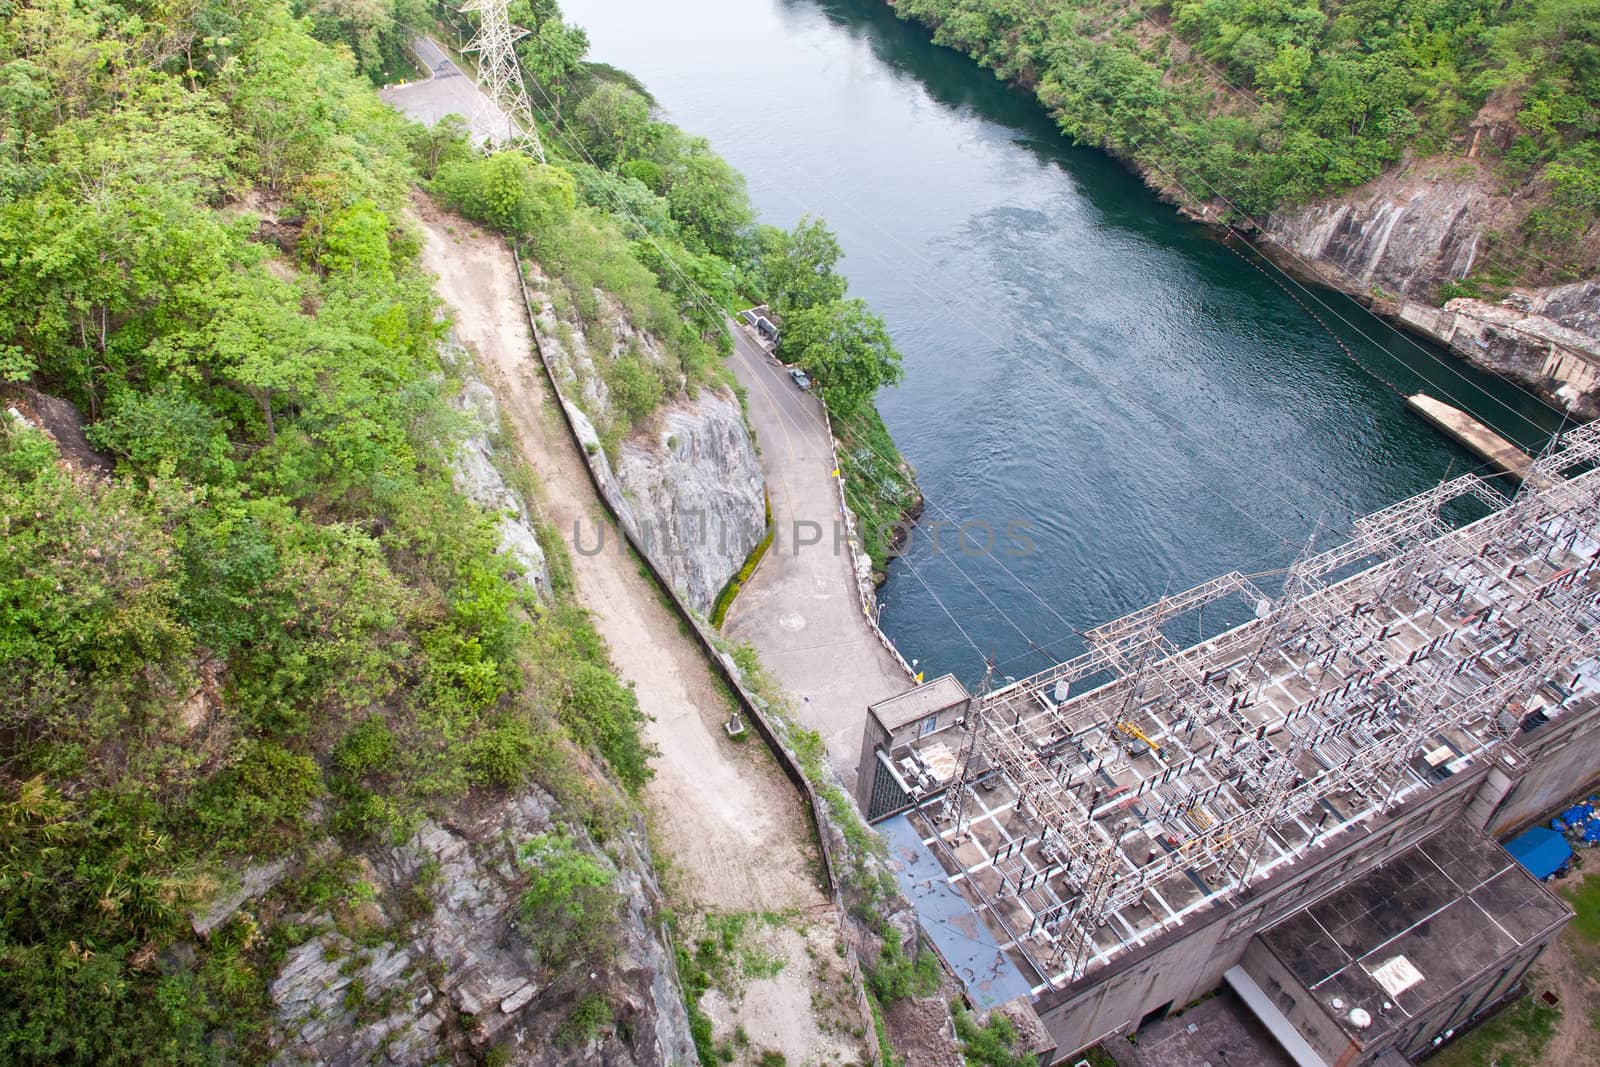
<point x="265" y="793"/>
<point x="568" y="903"/>
<point x="993" y="1044"/>
<point x="600" y="711"/>
<point x="366" y="748"/>
<point x="504" y="754"/>
<point x="896" y="976"/>
<point x="635" y="387"/>
<point x="644" y="171"/>
<point x="507" y="191"/>
<point x="586" y="1020"/>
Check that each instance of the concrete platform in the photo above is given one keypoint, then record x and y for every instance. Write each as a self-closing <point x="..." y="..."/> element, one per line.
<point x="1457" y="424"/>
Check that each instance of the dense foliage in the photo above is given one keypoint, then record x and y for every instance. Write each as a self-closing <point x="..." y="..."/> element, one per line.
<point x="1268" y="104"/>
<point x="276" y="622"/>
<point x="664" y="234"/>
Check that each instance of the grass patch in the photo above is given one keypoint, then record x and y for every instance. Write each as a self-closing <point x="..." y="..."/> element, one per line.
<point x="1585" y="900"/>
<point x="722" y="954"/>
<point x="994" y="1044"/>
<point x="879" y="485"/>
<point x="1516" y="1036"/>
<point x="719" y="610"/>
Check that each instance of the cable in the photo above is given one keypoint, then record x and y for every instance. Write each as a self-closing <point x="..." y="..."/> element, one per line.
<point x="956" y="622"/>
<point x="697" y="294"/>
<point x="1302" y="260"/>
<point x="1023" y="330"/>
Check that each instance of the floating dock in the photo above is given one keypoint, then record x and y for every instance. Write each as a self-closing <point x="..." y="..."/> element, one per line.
<point x="1456" y="423"/>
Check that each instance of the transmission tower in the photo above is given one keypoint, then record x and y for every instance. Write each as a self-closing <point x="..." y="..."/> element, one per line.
<point x="504" y="110"/>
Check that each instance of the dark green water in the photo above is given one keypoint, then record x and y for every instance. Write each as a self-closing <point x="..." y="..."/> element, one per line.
<point x="1078" y="357"/>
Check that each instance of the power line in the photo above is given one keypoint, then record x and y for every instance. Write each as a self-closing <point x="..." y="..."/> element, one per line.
<point x="697" y="295"/>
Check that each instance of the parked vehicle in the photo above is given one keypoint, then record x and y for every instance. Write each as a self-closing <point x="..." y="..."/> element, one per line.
<point x="801" y="378"/>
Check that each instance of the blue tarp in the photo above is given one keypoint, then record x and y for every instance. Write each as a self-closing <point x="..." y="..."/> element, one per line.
<point x="1576" y="814"/>
<point x="1542" y="851"/>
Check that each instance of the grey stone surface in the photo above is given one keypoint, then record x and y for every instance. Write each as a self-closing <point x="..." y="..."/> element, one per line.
<point x="689" y="485"/>
<point x="476" y="474"/>
<point x="460" y="978"/>
<point x="253" y="881"/>
<point x="1406" y="235"/>
<point x="1527" y="336"/>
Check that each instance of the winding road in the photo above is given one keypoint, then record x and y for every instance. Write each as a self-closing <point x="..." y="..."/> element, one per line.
<point x="800" y="609"/>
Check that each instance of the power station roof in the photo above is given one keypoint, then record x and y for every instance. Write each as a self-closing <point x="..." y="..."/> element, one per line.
<point x="920" y="702"/>
<point x="1407" y="934"/>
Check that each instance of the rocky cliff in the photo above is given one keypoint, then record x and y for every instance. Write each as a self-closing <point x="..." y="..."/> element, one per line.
<point x="1404" y="235"/>
<point x="428" y="964"/>
<point x="1548" y="338"/>
<point x="687" y="482"/>
<point x="1396" y="242"/>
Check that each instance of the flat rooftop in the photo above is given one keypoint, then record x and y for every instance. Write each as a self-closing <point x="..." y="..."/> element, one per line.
<point x="1397" y="940"/>
<point x="905" y="708"/>
<point x="1100" y="814"/>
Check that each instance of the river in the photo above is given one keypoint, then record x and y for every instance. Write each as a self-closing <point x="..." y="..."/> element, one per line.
<point x="1078" y="357"/>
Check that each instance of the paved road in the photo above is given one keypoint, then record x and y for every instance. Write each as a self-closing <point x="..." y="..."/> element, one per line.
<point x="800" y="609"/>
<point x="447" y="91"/>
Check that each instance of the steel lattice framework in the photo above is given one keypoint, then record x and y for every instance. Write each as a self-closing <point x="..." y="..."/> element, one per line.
<point x="1214" y="764"/>
<point x="504" y="110"/>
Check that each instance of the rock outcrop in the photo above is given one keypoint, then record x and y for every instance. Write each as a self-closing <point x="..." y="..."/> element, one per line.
<point x="434" y="968"/>
<point x="1396" y="241"/>
<point x="1548" y="338"/>
<point x="695" y="494"/>
<point x="688" y="485"/>
<point x="477" y="476"/>
<point x="1405" y="234"/>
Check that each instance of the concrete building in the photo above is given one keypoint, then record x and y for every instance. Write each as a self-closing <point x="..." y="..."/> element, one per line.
<point x="1136" y="827"/>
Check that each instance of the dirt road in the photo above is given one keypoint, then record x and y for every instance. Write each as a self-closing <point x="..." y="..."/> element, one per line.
<point x="800" y="609"/>
<point x="732" y="826"/>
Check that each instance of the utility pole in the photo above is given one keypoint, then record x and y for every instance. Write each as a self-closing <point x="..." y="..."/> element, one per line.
<point x="504" y="110"/>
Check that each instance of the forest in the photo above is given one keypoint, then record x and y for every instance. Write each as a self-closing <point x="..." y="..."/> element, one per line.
<point x="1253" y="105"/>
<point x="245" y="614"/>
<point x="273" y="630"/>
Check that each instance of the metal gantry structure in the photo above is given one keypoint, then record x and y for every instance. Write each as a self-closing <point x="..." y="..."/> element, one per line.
<point x="1183" y="776"/>
<point x="504" y="110"/>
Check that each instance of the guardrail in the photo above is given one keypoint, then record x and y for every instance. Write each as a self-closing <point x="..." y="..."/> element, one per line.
<point x="748" y="704"/>
<point x="860" y="564"/>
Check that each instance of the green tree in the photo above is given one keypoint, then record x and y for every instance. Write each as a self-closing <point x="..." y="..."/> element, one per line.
<point x="846" y="349"/>
<point x="706" y="195"/>
<point x="796" y="268"/>
<point x="552" y="52"/>
<point x="613" y="124"/>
